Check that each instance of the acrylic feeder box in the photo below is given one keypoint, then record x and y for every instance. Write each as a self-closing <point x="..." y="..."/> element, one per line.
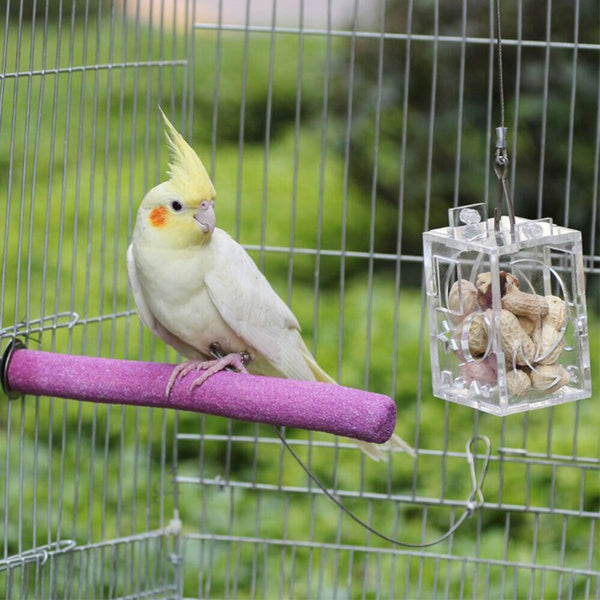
<point x="507" y="315"/>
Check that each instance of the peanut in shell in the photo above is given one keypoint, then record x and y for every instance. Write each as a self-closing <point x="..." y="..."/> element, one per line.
<point x="462" y="298"/>
<point x="549" y="378"/>
<point x="518" y="382"/>
<point x="522" y="304"/>
<point x="516" y="344"/>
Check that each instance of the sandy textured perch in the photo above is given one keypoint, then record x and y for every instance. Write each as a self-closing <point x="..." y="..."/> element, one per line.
<point x="306" y="404"/>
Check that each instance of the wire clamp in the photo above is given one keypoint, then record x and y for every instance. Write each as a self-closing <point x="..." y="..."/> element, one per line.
<point x="501" y="168"/>
<point x="174" y="526"/>
<point x="175" y="559"/>
<point x="470" y="507"/>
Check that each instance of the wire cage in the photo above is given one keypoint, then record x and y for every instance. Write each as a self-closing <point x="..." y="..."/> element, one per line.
<point x="335" y="133"/>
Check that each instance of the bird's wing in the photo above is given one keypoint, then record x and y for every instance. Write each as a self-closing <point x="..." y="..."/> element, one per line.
<point x="249" y="305"/>
<point x="143" y="310"/>
<point x="146" y="315"/>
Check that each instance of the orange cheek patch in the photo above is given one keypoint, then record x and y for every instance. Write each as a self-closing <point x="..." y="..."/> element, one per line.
<point x="158" y="216"/>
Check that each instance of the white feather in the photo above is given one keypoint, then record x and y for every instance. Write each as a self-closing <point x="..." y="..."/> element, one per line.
<point x="146" y="316"/>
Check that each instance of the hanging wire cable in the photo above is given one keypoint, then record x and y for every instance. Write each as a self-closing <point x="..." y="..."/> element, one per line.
<point x="500" y="68"/>
<point x="501" y="162"/>
<point x="474" y="501"/>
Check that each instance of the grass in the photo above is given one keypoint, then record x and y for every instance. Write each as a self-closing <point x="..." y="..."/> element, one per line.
<point x="75" y="170"/>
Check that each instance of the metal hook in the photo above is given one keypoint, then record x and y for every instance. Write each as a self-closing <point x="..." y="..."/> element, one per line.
<point x="501" y="164"/>
<point x="476" y="498"/>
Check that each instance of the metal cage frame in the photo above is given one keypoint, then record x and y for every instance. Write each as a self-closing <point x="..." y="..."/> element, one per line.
<point x="122" y="502"/>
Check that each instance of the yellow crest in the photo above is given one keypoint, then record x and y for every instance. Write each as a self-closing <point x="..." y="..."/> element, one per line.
<point x="186" y="171"/>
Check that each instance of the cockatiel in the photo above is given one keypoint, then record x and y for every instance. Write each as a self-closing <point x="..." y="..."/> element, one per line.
<point x="199" y="291"/>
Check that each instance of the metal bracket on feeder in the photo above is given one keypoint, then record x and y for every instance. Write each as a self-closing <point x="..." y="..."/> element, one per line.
<point x="501" y="164"/>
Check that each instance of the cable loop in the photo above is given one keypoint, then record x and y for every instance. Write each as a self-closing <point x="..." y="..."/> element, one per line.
<point x="476" y="492"/>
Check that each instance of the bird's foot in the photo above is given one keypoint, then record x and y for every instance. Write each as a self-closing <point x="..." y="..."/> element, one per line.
<point x="234" y="361"/>
<point x="181" y="371"/>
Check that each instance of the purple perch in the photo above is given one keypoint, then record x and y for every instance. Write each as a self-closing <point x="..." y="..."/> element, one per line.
<point x="306" y="404"/>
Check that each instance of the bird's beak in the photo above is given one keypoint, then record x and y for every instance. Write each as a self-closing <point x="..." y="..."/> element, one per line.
<point x="205" y="217"/>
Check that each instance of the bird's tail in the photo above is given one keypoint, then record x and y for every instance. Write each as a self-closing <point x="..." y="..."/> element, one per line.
<point x="379" y="452"/>
<point x="314" y="368"/>
<point x="376" y="452"/>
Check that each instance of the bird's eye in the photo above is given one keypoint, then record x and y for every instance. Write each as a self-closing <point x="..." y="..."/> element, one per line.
<point x="176" y="205"/>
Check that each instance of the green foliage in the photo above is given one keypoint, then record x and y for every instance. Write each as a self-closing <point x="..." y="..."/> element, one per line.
<point x="289" y="198"/>
<point x="38" y="10"/>
<point x="549" y="182"/>
<point x="251" y="87"/>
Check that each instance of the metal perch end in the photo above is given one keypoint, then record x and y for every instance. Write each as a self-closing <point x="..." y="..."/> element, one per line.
<point x="14" y="344"/>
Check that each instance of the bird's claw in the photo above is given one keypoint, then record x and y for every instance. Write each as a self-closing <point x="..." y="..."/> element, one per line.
<point x="181" y="371"/>
<point x="235" y="361"/>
